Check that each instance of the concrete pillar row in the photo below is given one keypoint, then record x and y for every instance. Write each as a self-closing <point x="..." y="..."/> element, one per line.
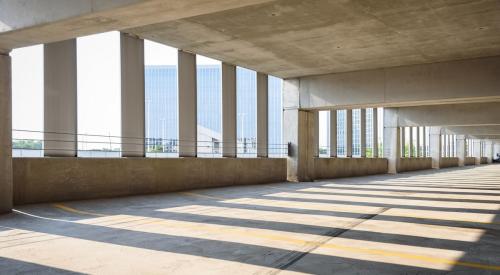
<point x="133" y="96"/>
<point x="348" y="134"/>
<point x="435" y="146"/>
<point x="392" y="139"/>
<point x="6" y="191"/>
<point x="333" y="133"/>
<point x="60" y="99"/>
<point x="262" y="115"/>
<point x="362" y="131"/>
<point x="187" y="104"/>
<point x="229" y="126"/>
<point x="375" y="132"/>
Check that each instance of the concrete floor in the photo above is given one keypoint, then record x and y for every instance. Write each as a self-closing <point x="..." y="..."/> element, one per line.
<point x="434" y="222"/>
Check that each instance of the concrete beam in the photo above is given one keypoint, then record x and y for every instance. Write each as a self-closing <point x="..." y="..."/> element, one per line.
<point x="6" y="195"/>
<point x="229" y="126"/>
<point x="470" y="114"/>
<point x="262" y="115"/>
<point x="60" y="99"/>
<point x="133" y="96"/>
<point x="187" y="104"/>
<point x="464" y="81"/>
<point x="27" y="22"/>
<point x="475" y="130"/>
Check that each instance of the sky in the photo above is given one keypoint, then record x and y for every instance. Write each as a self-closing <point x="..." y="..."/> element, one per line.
<point x="98" y="70"/>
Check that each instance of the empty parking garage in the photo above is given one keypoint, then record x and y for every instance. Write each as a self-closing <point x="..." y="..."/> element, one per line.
<point x="256" y="136"/>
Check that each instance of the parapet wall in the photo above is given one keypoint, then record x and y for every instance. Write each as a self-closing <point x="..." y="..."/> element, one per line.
<point x="470" y="161"/>
<point x="328" y="168"/>
<point x="414" y="164"/>
<point x="60" y="179"/>
<point x="448" y="162"/>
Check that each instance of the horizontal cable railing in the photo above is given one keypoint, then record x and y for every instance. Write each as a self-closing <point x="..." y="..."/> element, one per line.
<point x="29" y="143"/>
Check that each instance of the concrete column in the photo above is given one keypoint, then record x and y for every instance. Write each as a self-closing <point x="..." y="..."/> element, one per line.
<point x="461" y="150"/>
<point x="435" y="146"/>
<point x="297" y="133"/>
<point x="348" y="134"/>
<point x="477" y="150"/>
<point x="262" y="115"/>
<point x="333" y="133"/>
<point x="418" y="151"/>
<point x="133" y="96"/>
<point x="362" y="139"/>
<point x="489" y="150"/>
<point x="314" y="133"/>
<point x="60" y="99"/>
<point x="6" y="193"/>
<point x="410" y="144"/>
<point x="375" y="133"/>
<point x="424" y="142"/>
<point x="229" y="127"/>
<point x="392" y="139"/>
<point x="187" y="104"/>
<point x="448" y="145"/>
<point x="403" y="141"/>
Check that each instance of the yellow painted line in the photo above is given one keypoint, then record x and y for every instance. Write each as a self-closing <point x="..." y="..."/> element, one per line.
<point x="316" y="244"/>
<point x="192" y="194"/>
<point x="73" y="210"/>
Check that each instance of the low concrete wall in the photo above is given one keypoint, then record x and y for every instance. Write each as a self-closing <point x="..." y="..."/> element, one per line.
<point x="329" y="168"/>
<point x="483" y="160"/>
<point x="448" y="162"/>
<point x="414" y="164"/>
<point x="60" y="179"/>
<point x="470" y="161"/>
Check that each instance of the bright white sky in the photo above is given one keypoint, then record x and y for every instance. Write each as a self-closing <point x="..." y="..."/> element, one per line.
<point x="98" y="58"/>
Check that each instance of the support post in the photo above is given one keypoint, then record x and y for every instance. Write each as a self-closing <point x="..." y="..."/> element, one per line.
<point x="348" y="134"/>
<point x="403" y="141"/>
<point x="418" y="151"/>
<point x="410" y="144"/>
<point x="392" y="139"/>
<point x="461" y="150"/>
<point x="375" y="132"/>
<point x="333" y="133"/>
<point x="60" y="99"/>
<point x="262" y="115"/>
<point x="489" y="151"/>
<point x="229" y="127"/>
<point x="187" y="104"/>
<point x="300" y="161"/>
<point x="363" y="132"/>
<point x="6" y="189"/>
<point x="424" y="142"/>
<point x="133" y="96"/>
<point x="435" y="146"/>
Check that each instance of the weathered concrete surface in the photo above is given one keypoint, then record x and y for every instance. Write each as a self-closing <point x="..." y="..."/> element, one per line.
<point x="5" y="134"/>
<point x="432" y="222"/>
<point x="329" y="168"/>
<point x="483" y="160"/>
<point x="464" y="81"/>
<point x="470" y="161"/>
<point x="60" y="99"/>
<point x="61" y="179"/>
<point x="468" y="118"/>
<point x="414" y="164"/>
<point x="290" y="38"/>
<point x="446" y="162"/>
<point x="27" y="22"/>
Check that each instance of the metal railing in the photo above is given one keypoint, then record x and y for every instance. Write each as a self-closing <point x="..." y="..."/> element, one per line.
<point x="32" y="143"/>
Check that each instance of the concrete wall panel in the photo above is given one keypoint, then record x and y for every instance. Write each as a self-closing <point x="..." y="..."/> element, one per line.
<point x="448" y="162"/>
<point x="470" y="161"/>
<point x="60" y="179"/>
<point x="329" y="168"/>
<point x="414" y="164"/>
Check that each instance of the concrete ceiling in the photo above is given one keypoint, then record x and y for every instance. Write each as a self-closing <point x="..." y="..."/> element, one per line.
<point x="291" y="38"/>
